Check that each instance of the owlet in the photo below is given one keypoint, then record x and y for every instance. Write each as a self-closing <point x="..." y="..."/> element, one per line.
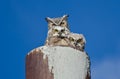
<point x="77" y="41"/>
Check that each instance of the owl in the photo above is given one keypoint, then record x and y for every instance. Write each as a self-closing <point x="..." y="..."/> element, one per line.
<point x="60" y="21"/>
<point x="57" y="36"/>
<point x="77" y="41"/>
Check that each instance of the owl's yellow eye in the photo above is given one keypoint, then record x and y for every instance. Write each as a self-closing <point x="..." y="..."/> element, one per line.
<point x="71" y="39"/>
<point x="55" y="30"/>
<point x="79" y="40"/>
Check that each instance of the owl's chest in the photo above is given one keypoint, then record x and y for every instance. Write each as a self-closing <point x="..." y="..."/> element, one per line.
<point x="59" y="42"/>
<point x="62" y="42"/>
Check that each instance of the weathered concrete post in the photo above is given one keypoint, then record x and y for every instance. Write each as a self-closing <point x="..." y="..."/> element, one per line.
<point x="56" y="63"/>
<point x="36" y="66"/>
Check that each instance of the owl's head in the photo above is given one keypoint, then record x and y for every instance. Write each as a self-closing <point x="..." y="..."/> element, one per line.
<point x="58" y="31"/>
<point x="60" y="21"/>
<point x="77" y="40"/>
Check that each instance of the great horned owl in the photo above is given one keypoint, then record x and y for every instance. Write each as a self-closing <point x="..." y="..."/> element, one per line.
<point x="60" y="21"/>
<point x="77" y="41"/>
<point x="57" y="36"/>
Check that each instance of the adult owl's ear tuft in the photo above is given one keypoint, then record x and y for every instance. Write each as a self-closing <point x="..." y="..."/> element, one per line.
<point x="48" y="19"/>
<point x="65" y="17"/>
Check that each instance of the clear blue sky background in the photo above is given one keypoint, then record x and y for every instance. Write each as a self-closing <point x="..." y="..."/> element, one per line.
<point x="22" y="28"/>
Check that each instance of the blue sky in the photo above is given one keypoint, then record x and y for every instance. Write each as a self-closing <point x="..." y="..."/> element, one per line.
<point x="23" y="28"/>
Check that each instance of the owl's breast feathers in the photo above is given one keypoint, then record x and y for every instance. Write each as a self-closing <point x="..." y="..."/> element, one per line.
<point x="55" y="41"/>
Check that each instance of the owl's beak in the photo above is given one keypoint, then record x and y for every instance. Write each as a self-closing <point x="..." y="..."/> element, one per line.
<point x="61" y="35"/>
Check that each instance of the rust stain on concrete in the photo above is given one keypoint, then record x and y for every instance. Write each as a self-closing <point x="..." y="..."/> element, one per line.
<point x="37" y="67"/>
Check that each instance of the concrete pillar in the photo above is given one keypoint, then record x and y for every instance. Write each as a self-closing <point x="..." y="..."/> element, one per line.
<point x="56" y="63"/>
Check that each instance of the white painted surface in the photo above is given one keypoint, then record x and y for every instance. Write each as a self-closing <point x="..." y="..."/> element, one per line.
<point x="66" y="62"/>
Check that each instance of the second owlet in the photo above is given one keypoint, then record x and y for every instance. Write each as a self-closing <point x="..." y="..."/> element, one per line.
<point x="57" y="36"/>
<point x="77" y="41"/>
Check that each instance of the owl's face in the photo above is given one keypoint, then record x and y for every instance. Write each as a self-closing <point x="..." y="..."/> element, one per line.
<point x="58" y="31"/>
<point x="60" y="21"/>
<point x="76" y="40"/>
